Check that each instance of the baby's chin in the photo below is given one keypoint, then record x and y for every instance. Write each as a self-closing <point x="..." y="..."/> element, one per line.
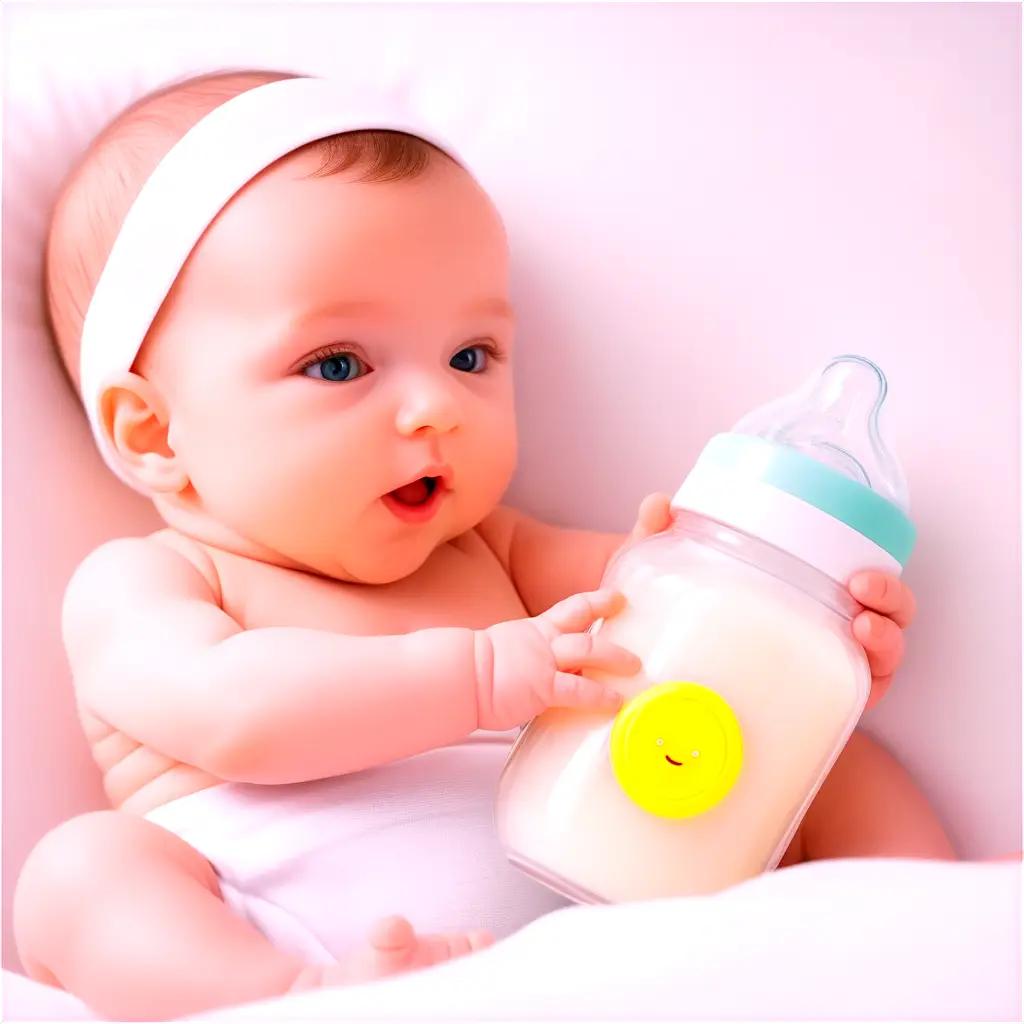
<point x="381" y="563"/>
<point x="376" y="574"/>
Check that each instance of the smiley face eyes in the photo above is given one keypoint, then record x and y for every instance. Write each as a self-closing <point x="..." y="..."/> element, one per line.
<point x="661" y="743"/>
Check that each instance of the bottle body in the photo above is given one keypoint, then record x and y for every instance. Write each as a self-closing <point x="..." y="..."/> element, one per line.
<point x="751" y="684"/>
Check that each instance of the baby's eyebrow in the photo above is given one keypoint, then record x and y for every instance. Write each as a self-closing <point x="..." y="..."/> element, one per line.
<point x="354" y="308"/>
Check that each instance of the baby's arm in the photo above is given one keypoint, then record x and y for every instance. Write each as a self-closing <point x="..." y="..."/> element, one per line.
<point x="547" y="563"/>
<point x="869" y="806"/>
<point x="154" y="656"/>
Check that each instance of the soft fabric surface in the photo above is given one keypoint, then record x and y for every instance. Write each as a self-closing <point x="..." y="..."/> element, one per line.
<point x="28" y="1000"/>
<point x="852" y="939"/>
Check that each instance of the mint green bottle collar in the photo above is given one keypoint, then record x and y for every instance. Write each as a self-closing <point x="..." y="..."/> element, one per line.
<point x="805" y="478"/>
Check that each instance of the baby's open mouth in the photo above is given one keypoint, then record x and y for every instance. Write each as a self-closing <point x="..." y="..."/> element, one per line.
<point x="416" y="493"/>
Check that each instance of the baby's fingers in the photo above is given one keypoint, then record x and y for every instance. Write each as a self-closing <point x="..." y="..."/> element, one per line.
<point x="653" y="516"/>
<point x="577" y="651"/>
<point x="580" y="692"/>
<point x="887" y="594"/>
<point x="575" y="614"/>
<point x="882" y="641"/>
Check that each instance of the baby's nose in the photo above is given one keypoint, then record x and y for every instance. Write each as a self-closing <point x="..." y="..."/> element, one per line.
<point x="428" y="407"/>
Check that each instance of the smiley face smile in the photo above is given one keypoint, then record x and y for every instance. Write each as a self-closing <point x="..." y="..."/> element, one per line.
<point x="670" y="761"/>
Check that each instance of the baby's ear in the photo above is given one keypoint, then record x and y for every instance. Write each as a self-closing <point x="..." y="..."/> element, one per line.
<point x="135" y="419"/>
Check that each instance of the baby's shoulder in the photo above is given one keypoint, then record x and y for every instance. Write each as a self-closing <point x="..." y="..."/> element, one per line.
<point x="195" y="553"/>
<point x="118" y="583"/>
<point x="125" y="569"/>
<point x="496" y="531"/>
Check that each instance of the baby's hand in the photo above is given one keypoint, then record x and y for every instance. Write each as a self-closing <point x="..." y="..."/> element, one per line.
<point x="881" y="635"/>
<point x="653" y="516"/>
<point x="525" y="666"/>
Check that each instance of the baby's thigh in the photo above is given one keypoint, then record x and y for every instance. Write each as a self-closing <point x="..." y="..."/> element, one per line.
<point x="870" y="806"/>
<point x="73" y="871"/>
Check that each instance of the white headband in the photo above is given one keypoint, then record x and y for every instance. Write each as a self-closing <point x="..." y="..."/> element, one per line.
<point x="186" y="191"/>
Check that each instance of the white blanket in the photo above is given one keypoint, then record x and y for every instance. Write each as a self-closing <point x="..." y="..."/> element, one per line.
<point x="865" y="939"/>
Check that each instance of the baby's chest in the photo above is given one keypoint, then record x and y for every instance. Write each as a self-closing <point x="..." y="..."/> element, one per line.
<point x="461" y="584"/>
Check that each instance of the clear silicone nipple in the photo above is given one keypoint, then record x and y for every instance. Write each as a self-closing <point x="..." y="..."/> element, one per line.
<point x="833" y="418"/>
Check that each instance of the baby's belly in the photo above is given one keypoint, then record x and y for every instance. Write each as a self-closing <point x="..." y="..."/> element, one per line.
<point x="313" y="864"/>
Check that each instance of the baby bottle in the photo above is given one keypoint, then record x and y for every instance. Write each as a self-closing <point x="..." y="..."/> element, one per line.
<point x="751" y="679"/>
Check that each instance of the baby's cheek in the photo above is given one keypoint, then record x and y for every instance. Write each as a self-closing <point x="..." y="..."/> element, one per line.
<point x="481" y="481"/>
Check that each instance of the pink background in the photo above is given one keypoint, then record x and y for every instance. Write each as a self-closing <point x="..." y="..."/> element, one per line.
<point x="703" y="202"/>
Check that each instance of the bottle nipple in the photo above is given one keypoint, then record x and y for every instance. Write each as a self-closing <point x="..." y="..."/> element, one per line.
<point x="833" y="418"/>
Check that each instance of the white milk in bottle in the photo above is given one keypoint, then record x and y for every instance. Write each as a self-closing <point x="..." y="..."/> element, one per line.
<point x="751" y="678"/>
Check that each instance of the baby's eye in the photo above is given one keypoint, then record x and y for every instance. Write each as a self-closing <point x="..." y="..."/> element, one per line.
<point x="469" y="360"/>
<point x="340" y="366"/>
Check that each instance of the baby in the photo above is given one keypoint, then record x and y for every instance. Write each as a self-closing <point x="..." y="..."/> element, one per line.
<point x="302" y="691"/>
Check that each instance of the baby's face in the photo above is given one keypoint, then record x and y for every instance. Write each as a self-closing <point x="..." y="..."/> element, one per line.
<point x="294" y="410"/>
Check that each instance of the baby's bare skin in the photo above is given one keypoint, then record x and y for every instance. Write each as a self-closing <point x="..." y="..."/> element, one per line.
<point x="848" y="816"/>
<point x="462" y="583"/>
<point x="239" y="643"/>
<point x="151" y="889"/>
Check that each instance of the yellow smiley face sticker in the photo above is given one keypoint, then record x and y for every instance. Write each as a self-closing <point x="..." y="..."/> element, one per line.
<point x="676" y="749"/>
